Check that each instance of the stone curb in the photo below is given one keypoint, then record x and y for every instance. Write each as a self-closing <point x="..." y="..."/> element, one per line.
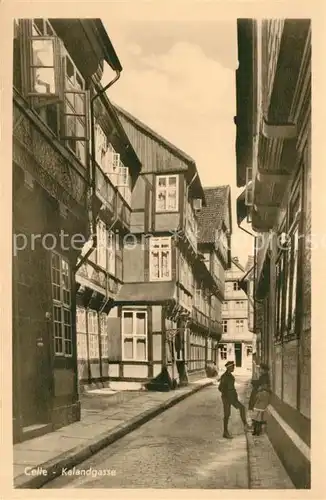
<point x="80" y="453"/>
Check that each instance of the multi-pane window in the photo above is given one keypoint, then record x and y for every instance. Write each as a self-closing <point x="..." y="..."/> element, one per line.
<point x="290" y="284"/>
<point x="167" y="198"/>
<point x="81" y="333"/>
<point x="223" y="351"/>
<point x="104" y="335"/>
<point x="280" y="291"/>
<point x="134" y="335"/>
<point x="56" y="88"/>
<point x="61" y="296"/>
<point x="249" y="350"/>
<point x="239" y="325"/>
<point x="240" y="304"/>
<point x="75" y="106"/>
<point x="101" y="244"/>
<point x="93" y="334"/>
<point x="111" y="252"/>
<point x="160" y="259"/>
<point x="236" y="286"/>
<point x="292" y="272"/>
<point x="225" y="326"/>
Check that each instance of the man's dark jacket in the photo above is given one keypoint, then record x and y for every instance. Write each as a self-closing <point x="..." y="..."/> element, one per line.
<point x="226" y="386"/>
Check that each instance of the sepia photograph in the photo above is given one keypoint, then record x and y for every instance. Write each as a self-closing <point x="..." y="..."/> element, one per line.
<point x="161" y="252"/>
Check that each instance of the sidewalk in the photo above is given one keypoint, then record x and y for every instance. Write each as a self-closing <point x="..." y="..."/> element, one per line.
<point x="265" y="469"/>
<point x="104" y="419"/>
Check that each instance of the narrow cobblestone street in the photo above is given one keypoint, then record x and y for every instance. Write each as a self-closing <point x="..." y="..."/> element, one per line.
<point x="181" y="448"/>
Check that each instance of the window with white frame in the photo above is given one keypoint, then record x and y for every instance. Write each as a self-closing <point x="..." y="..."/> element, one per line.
<point x="81" y="333"/>
<point x="167" y="193"/>
<point x="225" y="325"/>
<point x="61" y="297"/>
<point x="104" y="335"/>
<point x="54" y="84"/>
<point x="240" y="304"/>
<point x="134" y="335"/>
<point x="101" y="244"/>
<point x="93" y="334"/>
<point x="223" y="351"/>
<point x="112" y="252"/>
<point x="160" y="263"/>
<point x="239" y="325"/>
<point x="101" y="146"/>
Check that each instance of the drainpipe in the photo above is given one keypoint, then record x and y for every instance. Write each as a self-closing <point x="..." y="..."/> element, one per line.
<point x="93" y="169"/>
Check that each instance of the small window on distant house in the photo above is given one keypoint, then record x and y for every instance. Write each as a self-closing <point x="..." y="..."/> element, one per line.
<point x="224" y="351"/>
<point x="225" y="326"/>
<point x="167" y="199"/>
<point x="239" y="325"/>
<point x="236" y="286"/>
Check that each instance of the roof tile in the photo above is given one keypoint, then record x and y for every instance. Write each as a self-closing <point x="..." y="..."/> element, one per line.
<point x="211" y="217"/>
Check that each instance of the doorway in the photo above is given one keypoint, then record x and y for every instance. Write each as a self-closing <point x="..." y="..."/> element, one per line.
<point x="238" y="354"/>
<point x="33" y="334"/>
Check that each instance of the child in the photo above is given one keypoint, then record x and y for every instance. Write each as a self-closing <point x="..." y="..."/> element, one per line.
<point x="259" y="406"/>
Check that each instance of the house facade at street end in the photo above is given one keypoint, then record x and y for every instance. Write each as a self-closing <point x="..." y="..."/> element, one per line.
<point x="236" y="343"/>
<point x="247" y="285"/>
<point x="274" y="167"/>
<point x="57" y="66"/>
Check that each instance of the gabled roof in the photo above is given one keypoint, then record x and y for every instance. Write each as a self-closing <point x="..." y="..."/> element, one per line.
<point x="182" y="162"/>
<point x="212" y="216"/>
<point x="154" y="135"/>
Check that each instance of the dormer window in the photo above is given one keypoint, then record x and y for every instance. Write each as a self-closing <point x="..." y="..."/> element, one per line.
<point x="53" y="84"/>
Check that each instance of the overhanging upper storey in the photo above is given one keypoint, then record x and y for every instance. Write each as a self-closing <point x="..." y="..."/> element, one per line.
<point x="283" y="84"/>
<point x="246" y="96"/>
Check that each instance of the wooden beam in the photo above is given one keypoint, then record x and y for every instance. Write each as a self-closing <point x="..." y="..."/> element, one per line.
<point x="279" y="130"/>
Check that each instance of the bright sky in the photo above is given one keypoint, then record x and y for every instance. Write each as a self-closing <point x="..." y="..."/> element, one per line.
<point x="179" y="78"/>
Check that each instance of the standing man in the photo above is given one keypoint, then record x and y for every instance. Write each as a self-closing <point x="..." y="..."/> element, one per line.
<point x="230" y="397"/>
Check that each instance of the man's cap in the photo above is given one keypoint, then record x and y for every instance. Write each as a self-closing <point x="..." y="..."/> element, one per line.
<point x="229" y="363"/>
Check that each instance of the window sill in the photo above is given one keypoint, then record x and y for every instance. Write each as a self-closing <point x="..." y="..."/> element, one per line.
<point x="170" y="211"/>
<point x="158" y="280"/>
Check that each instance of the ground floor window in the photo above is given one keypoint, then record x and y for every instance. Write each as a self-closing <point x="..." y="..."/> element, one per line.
<point x="223" y="351"/>
<point x="81" y="333"/>
<point x="249" y="350"/>
<point x="93" y="334"/>
<point x="61" y="298"/>
<point x="104" y="335"/>
<point x="134" y="335"/>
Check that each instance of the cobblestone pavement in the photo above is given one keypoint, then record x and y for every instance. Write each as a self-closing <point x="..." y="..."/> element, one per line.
<point x="181" y="448"/>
